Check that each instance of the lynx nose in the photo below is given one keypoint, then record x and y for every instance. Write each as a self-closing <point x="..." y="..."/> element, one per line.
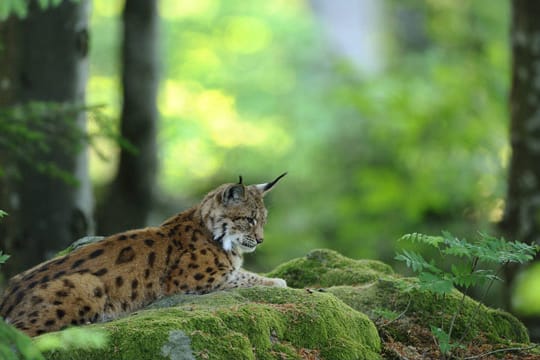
<point x="259" y="240"/>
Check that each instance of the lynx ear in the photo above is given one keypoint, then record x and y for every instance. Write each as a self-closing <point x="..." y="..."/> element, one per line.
<point x="233" y="194"/>
<point x="265" y="188"/>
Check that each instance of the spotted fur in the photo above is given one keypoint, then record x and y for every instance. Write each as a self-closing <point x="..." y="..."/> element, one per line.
<point x="195" y="252"/>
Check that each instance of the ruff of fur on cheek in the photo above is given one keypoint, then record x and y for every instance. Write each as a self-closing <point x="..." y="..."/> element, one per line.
<point x="228" y="241"/>
<point x="220" y="233"/>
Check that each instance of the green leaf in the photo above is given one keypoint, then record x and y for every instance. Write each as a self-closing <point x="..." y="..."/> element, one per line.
<point x="416" y="262"/>
<point x="74" y="337"/>
<point x="385" y="314"/>
<point x="16" y="345"/>
<point x="4" y="12"/>
<point x="422" y="238"/>
<point x="435" y="283"/>
<point x="467" y="279"/>
<point x="501" y="251"/>
<point x="18" y="7"/>
<point x="43" y="4"/>
<point x="443" y="340"/>
<point x="455" y="246"/>
<point x="3" y="257"/>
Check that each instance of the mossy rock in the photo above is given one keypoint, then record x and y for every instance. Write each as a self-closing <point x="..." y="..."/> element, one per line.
<point x="327" y="322"/>
<point x="256" y="323"/>
<point x="325" y="268"/>
<point x="371" y="287"/>
<point x="475" y="320"/>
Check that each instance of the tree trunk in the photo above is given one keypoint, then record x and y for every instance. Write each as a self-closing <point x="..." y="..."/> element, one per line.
<point x="9" y="33"/>
<point x="46" y="60"/>
<point x="522" y="213"/>
<point x="130" y="195"/>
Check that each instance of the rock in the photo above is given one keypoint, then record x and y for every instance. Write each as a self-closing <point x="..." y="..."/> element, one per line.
<point x="372" y="288"/>
<point x="332" y="311"/>
<point x="325" y="268"/>
<point x="256" y="323"/>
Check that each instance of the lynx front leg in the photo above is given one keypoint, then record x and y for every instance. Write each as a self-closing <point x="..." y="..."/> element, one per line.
<point x="243" y="278"/>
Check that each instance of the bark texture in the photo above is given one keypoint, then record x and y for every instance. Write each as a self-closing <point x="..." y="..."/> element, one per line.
<point x="522" y="214"/>
<point x="45" y="60"/>
<point x="128" y="200"/>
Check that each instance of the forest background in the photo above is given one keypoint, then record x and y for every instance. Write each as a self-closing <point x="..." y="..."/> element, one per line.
<point x="390" y="117"/>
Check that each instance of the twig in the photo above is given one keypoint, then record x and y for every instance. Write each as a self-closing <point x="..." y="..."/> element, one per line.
<point x="501" y="350"/>
<point x="480" y="302"/>
<point x="401" y="314"/>
<point x="462" y="302"/>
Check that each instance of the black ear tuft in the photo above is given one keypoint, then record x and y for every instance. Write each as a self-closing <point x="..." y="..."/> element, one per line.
<point x="240" y="179"/>
<point x="234" y="194"/>
<point x="268" y="186"/>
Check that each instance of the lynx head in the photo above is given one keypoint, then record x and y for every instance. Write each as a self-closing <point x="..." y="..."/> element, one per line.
<point x="235" y="214"/>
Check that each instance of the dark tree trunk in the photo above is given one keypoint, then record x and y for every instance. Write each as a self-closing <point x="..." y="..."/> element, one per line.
<point x="129" y="198"/>
<point x="9" y="33"/>
<point x="522" y="214"/>
<point x="46" y="60"/>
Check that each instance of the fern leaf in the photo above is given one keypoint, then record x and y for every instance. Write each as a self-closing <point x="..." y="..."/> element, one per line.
<point x="3" y="257"/>
<point x="416" y="262"/>
<point x="500" y="251"/>
<point x="422" y="238"/>
<point x="456" y="246"/>
<point x="435" y="283"/>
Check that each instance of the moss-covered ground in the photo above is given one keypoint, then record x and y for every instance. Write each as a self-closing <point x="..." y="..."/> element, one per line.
<point x="336" y="308"/>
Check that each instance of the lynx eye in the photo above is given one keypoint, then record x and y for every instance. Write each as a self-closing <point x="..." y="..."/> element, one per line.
<point x="252" y="221"/>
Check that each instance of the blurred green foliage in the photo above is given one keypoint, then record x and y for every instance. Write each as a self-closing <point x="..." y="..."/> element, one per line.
<point x="29" y="132"/>
<point x="19" y="8"/>
<point x="15" y="345"/>
<point x="34" y="131"/>
<point x="253" y="88"/>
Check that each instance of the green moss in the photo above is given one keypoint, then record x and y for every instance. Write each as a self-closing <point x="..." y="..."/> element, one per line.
<point x="274" y="323"/>
<point x="323" y="268"/>
<point x="375" y="287"/>
<point x="80" y="243"/>
<point x="426" y="309"/>
<point x="255" y="323"/>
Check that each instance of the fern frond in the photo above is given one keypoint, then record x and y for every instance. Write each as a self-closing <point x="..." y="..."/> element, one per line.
<point x="501" y="251"/>
<point x="435" y="283"/>
<point x="422" y="238"/>
<point x="462" y="276"/>
<point x="416" y="262"/>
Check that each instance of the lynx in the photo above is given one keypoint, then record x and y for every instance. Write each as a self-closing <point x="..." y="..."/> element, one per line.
<point x="195" y="252"/>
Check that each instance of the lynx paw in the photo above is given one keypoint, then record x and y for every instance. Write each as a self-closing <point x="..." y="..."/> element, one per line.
<point x="277" y="282"/>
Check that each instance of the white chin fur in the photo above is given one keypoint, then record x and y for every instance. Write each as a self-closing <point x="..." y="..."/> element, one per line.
<point x="230" y="242"/>
<point x="245" y="249"/>
<point x="227" y="243"/>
